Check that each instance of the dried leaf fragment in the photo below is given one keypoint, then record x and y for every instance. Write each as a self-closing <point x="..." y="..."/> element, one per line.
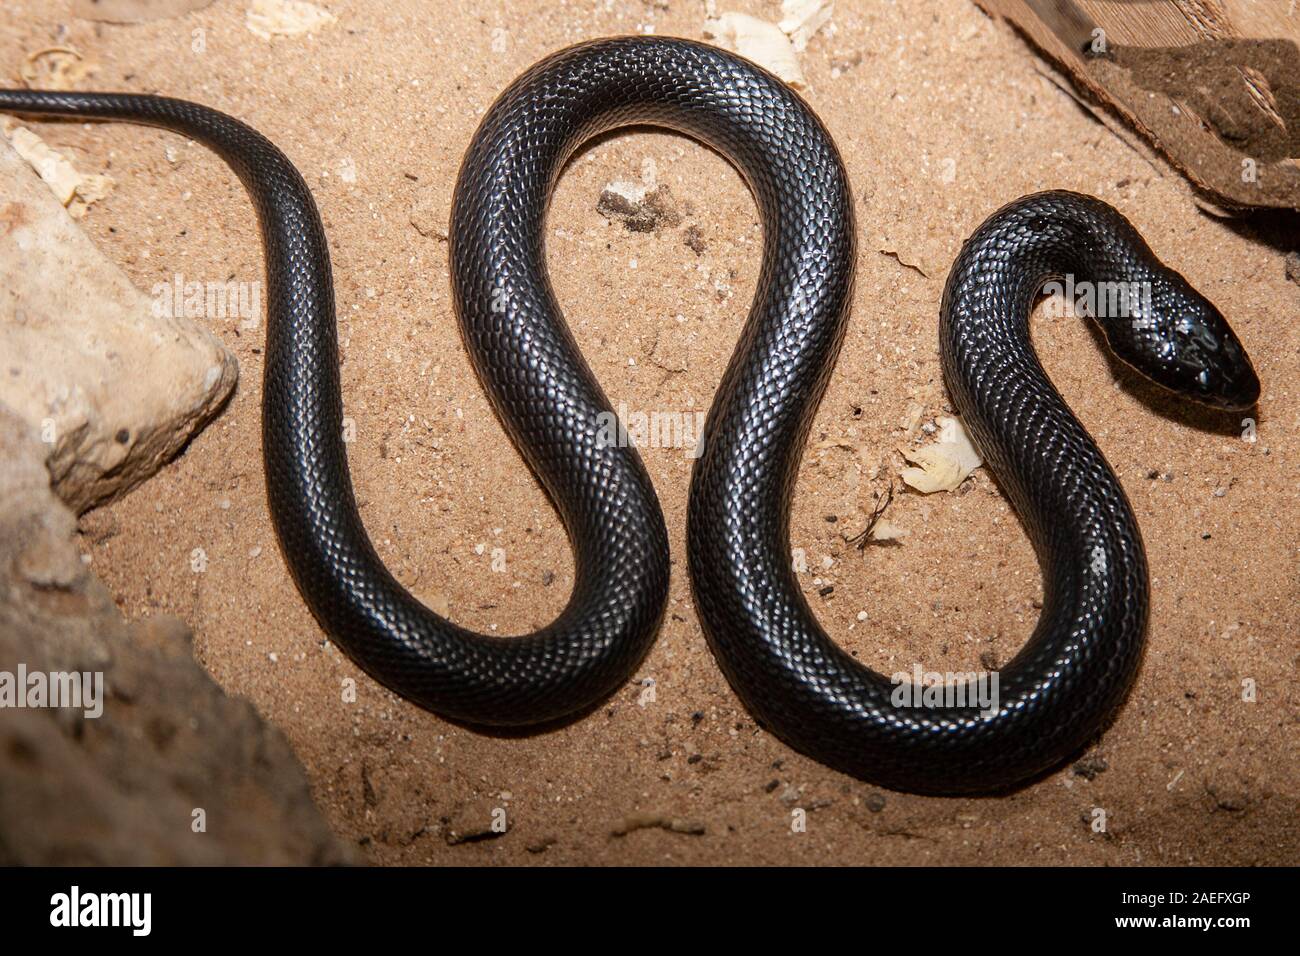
<point x="55" y="68"/>
<point x="760" y="41"/>
<point x="801" y="19"/>
<point x="74" y="190"/>
<point x="886" y="530"/>
<point x="943" y="465"/>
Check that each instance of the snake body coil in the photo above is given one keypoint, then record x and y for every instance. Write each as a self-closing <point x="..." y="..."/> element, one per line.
<point x="1084" y="652"/>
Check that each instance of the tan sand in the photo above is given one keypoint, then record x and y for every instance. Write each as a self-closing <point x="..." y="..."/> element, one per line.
<point x="942" y="117"/>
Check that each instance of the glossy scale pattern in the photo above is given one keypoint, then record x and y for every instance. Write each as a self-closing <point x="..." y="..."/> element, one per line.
<point x="1080" y="660"/>
<point x="1054" y="695"/>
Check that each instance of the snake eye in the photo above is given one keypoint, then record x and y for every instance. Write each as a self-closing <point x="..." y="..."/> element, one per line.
<point x="1224" y="375"/>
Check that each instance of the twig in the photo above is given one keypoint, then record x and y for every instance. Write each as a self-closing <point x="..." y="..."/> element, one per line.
<point x="861" y="540"/>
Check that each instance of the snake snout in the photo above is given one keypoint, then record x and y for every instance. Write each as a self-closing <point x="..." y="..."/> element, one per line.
<point x="1180" y="340"/>
<point x="1210" y="352"/>
<point x="1235" y="386"/>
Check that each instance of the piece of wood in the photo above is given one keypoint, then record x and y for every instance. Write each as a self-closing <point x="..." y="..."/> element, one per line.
<point x="1213" y="84"/>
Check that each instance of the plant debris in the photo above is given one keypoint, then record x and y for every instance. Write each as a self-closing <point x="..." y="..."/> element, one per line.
<point x="801" y="19"/>
<point x="943" y="465"/>
<point x="55" y="68"/>
<point x="760" y="41"/>
<point x="878" y="530"/>
<point x="76" y="191"/>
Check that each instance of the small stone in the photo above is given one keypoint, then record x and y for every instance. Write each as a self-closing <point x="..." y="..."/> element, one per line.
<point x="639" y="208"/>
<point x="1293" y="267"/>
<point x="694" y="240"/>
<point x="455" y="835"/>
<point x="1090" y="767"/>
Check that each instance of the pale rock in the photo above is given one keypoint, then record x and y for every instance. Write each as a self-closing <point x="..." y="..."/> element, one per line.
<point x="112" y="389"/>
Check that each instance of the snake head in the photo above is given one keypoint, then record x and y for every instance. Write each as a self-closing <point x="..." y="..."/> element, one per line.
<point x="1176" y="337"/>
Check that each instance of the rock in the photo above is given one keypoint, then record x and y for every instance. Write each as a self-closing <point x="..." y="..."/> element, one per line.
<point x="171" y="771"/>
<point x="542" y="845"/>
<point x="640" y="208"/>
<point x="1292" y="267"/>
<point x="1090" y="767"/>
<point x="112" y="389"/>
<point x="694" y="240"/>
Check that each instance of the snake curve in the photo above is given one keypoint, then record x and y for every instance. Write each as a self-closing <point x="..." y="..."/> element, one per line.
<point x="1080" y="660"/>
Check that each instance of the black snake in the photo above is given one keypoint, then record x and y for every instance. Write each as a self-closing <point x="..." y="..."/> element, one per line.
<point x="1081" y="658"/>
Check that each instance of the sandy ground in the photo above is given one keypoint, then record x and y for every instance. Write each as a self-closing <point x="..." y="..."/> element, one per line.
<point x="941" y="117"/>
